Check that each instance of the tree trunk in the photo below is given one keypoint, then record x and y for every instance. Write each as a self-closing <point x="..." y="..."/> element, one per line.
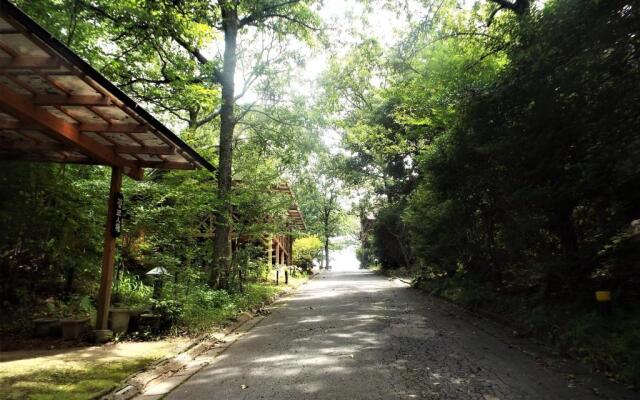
<point x="222" y="249"/>
<point x="326" y="253"/>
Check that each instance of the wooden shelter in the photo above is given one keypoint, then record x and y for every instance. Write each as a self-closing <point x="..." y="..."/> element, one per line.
<point x="280" y="247"/>
<point x="54" y="107"/>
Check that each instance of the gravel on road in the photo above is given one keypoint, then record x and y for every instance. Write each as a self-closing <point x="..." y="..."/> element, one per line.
<point x="356" y="335"/>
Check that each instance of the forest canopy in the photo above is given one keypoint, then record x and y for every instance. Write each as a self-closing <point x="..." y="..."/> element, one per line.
<point x="489" y="149"/>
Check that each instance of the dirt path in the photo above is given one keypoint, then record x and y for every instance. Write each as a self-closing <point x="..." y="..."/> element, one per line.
<point x="355" y="335"/>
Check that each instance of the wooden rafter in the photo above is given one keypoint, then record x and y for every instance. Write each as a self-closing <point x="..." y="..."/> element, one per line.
<point x="47" y="76"/>
<point x="71" y="100"/>
<point x="21" y="106"/>
<point x="31" y="62"/>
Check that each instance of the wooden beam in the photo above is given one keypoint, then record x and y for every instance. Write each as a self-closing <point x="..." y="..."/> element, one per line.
<point x="30" y="62"/>
<point x="107" y="119"/>
<point x="28" y="146"/>
<point x="39" y="158"/>
<point x="165" y="165"/>
<point x="4" y="124"/>
<point x="113" y="128"/>
<point x="22" y="108"/>
<point x="108" y="254"/>
<point x="153" y="150"/>
<point x="72" y="100"/>
<point x="11" y="52"/>
<point x="53" y="83"/>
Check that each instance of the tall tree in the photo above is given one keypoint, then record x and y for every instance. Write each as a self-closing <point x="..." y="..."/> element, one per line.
<point x="159" y="51"/>
<point x="287" y="17"/>
<point x="321" y="192"/>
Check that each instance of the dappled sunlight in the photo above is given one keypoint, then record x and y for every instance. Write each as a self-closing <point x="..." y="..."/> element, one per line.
<point x="310" y="320"/>
<point x="353" y="335"/>
<point x="332" y="337"/>
<point x="33" y="359"/>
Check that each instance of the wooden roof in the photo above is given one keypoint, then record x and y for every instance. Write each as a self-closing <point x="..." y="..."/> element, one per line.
<point x="55" y="107"/>
<point x="295" y="215"/>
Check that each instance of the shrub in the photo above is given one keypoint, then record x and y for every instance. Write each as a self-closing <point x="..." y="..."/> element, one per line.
<point x="305" y="250"/>
<point x="130" y="291"/>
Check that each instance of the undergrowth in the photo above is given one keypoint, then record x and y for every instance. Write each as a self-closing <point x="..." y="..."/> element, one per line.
<point x="610" y="344"/>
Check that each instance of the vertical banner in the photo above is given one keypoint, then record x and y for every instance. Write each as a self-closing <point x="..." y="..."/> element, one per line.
<point x="116" y="222"/>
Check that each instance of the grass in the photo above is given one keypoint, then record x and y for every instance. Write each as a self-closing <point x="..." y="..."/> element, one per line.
<point x="68" y="382"/>
<point x="82" y="373"/>
<point x="78" y="373"/>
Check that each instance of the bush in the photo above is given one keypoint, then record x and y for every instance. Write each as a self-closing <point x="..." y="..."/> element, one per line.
<point x="391" y="238"/>
<point x="131" y="292"/>
<point x="203" y="307"/>
<point x="305" y="250"/>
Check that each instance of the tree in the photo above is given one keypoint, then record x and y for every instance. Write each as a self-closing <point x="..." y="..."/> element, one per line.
<point x="172" y="35"/>
<point x="321" y="193"/>
<point x="517" y="6"/>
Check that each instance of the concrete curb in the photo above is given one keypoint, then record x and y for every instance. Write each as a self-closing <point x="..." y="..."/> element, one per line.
<point x="164" y="375"/>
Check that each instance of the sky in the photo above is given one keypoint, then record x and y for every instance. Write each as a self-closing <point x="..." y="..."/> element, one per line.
<point x="344" y="259"/>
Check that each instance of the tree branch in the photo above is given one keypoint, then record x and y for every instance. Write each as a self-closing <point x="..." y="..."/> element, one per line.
<point x="264" y="13"/>
<point x="291" y="19"/>
<point x="208" y="118"/>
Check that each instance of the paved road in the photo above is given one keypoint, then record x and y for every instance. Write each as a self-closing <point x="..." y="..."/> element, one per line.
<point x="355" y="335"/>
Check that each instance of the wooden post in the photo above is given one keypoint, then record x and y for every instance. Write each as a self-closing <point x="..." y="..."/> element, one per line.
<point x="108" y="253"/>
<point x="291" y="239"/>
<point x="270" y="250"/>
<point x="277" y="253"/>
<point x="282" y="253"/>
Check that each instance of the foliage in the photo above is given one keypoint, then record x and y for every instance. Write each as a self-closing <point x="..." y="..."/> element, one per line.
<point x="69" y="383"/>
<point x="306" y="250"/>
<point x="503" y="158"/>
<point x="131" y="292"/>
<point x="493" y="150"/>
<point x="81" y="373"/>
<point x="321" y="190"/>
<point x="203" y="307"/>
<point x="391" y="242"/>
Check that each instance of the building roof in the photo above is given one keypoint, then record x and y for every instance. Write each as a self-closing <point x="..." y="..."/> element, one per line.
<point x="55" y="107"/>
<point x="295" y="216"/>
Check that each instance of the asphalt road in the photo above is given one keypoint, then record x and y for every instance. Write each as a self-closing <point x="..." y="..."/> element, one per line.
<point x="356" y="335"/>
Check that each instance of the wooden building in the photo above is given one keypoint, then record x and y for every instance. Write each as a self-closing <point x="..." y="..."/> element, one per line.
<point x="279" y="248"/>
<point x="54" y="107"/>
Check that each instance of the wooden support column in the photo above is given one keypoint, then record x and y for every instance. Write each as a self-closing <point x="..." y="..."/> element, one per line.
<point x="289" y="250"/>
<point x="284" y="250"/>
<point x="269" y="250"/>
<point x="291" y="239"/>
<point x="277" y="252"/>
<point x="280" y="254"/>
<point x="108" y="253"/>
